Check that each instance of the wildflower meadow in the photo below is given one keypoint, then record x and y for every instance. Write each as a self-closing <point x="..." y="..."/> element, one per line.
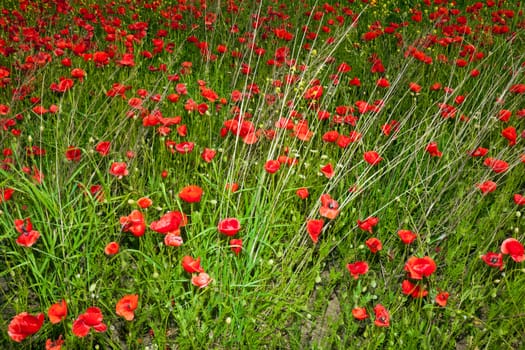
<point x="269" y="174"/>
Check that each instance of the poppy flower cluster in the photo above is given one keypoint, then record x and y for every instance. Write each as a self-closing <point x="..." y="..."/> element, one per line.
<point x="382" y="316"/>
<point x="418" y="268"/>
<point x="25" y="325"/>
<point x="169" y="225"/>
<point x="511" y="247"/>
<point x="91" y="319"/>
<point x="133" y="223"/>
<point x="199" y="278"/>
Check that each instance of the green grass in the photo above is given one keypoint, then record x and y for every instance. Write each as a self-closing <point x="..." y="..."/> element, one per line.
<point x="282" y="290"/>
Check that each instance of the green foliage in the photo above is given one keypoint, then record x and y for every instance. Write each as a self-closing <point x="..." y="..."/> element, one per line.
<point x="281" y="290"/>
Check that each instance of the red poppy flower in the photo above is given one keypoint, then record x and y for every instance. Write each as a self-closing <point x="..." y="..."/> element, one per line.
<point x="442" y="298"/>
<point x="355" y="82"/>
<point x="181" y="89"/>
<point x="126" y="306"/>
<point x="302" y="132"/>
<point x="191" y="265"/>
<point x="250" y="138"/>
<point x="514" y="248"/>
<point x="518" y="199"/>
<point x="414" y="290"/>
<point x="103" y="148"/>
<point x="493" y="259"/>
<point x="371" y="35"/>
<point x="418" y="268"/>
<point x="229" y="226"/>
<point x="24" y="325"/>
<point x="510" y="134"/>
<point x="27" y="236"/>
<point x="497" y="165"/>
<point x="479" y="152"/>
<point x="406" y="236"/>
<point x="236" y="246"/>
<point x="55" y="344"/>
<point x="133" y="223"/>
<point x="184" y="147"/>
<point x="201" y="280"/>
<point x="191" y="194"/>
<point x="37" y="175"/>
<point x="169" y="222"/>
<point x="314" y="93"/>
<point x="208" y="154"/>
<point x="382" y="316"/>
<point x="119" y="169"/>
<point x="330" y="136"/>
<point x="78" y="73"/>
<point x="111" y="248"/>
<point x="368" y="224"/>
<point x="329" y="207"/>
<point x="383" y="82"/>
<point x="344" y="68"/>
<point x="27" y="239"/>
<point x="144" y="202"/>
<point x="135" y="102"/>
<point x="173" y="239"/>
<point x="504" y="115"/>
<point x="343" y="141"/>
<point x="272" y="166"/>
<point x="57" y="312"/>
<point x="487" y="187"/>
<point x="328" y="171"/>
<point x="6" y="194"/>
<point x="35" y="151"/>
<point x="73" y="154"/>
<point x="357" y="268"/>
<point x="100" y="58"/>
<point x="314" y="228"/>
<point x="23" y="225"/>
<point x="63" y="85"/>
<point x="374" y="244"/>
<point x="202" y="108"/>
<point x="173" y="98"/>
<point x="359" y="313"/>
<point x="283" y="34"/>
<point x="302" y="193"/>
<point x="92" y="318"/>
<point x="233" y="187"/>
<point x="372" y="157"/>
<point x="414" y="87"/>
<point x="209" y="94"/>
<point x="517" y="88"/>
<point x="432" y="149"/>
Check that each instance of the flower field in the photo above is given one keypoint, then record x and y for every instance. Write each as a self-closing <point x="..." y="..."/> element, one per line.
<point x="262" y="174"/>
